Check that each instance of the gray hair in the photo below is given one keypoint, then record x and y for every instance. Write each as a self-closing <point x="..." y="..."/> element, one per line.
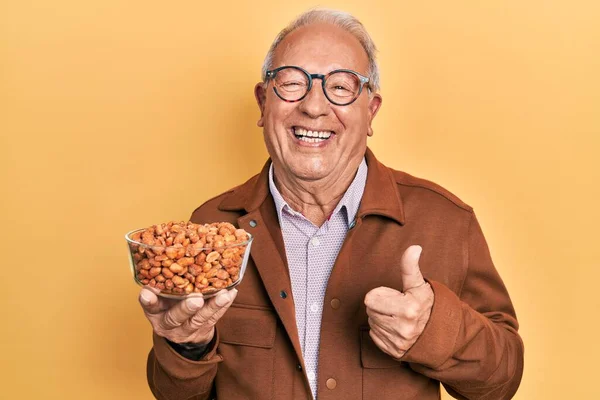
<point x="340" y="19"/>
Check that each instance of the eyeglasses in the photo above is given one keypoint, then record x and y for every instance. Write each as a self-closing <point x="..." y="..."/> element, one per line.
<point x="341" y="87"/>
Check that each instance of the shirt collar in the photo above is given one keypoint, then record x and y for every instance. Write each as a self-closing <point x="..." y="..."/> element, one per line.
<point x="349" y="201"/>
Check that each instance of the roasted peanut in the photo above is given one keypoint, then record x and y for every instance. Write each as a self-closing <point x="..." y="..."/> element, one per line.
<point x="189" y="277"/>
<point x="158" y="250"/>
<point x="179" y="238"/>
<point x="176" y="268"/>
<point x="189" y="288"/>
<point x="195" y="270"/>
<point x="153" y="262"/>
<point x="213" y="256"/>
<point x="222" y="274"/>
<point x="180" y="282"/>
<point x="167" y="273"/>
<point x="206" y="267"/>
<point x="171" y="252"/>
<point x="144" y="264"/>
<point x="200" y="258"/>
<point x="185" y="261"/>
<point x="212" y="273"/>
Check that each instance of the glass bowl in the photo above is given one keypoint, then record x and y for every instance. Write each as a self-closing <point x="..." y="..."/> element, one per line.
<point x="188" y="269"/>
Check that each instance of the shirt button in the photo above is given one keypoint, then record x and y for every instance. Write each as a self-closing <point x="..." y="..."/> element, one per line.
<point x="253" y="223"/>
<point x="315" y="241"/>
<point x="283" y="294"/>
<point x="331" y="383"/>
<point x="299" y="367"/>
<point x="311" y="375"/>
<point x="314" y="307"/>
<point x="335" y="303"/>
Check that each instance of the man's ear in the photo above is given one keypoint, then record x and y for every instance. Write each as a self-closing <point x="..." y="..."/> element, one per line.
<point x="374" y="105"/>
<point x="261" y="97"/>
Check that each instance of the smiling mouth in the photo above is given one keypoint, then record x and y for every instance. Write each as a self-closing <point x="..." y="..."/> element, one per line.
<point x="311" y="136"/>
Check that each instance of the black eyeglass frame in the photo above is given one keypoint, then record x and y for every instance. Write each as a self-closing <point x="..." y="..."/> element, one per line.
<point x="363" y="80"/>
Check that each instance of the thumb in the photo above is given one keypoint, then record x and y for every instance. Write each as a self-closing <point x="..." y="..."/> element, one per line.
<point x="149" y="301"/>
<point x="409" y="268"/>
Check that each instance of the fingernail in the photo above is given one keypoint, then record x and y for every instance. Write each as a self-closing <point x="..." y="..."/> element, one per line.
<point x="195" y="303"/>
<point x="420" y="251"/>
<point x="145" y="298"/>
<point x="222" y="299"/>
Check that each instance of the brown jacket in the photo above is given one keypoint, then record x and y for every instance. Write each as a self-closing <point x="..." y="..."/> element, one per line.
<point x="470" y="343"/>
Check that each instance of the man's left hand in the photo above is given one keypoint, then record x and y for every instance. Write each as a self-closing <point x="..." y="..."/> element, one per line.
<point x="396" y="318"/>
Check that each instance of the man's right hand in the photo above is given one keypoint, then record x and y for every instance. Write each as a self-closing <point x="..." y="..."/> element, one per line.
<point x="185" y="321"/>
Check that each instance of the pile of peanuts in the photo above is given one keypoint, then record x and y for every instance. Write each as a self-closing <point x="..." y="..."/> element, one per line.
<point x="182" y="257"/>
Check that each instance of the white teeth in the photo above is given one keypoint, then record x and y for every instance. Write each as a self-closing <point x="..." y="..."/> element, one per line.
<point x="311" y="140"/>
<point x="312" y="134"/>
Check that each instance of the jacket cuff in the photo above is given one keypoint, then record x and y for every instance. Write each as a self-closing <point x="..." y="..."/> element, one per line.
<point x="192" y="351"/>
<point x="437" y="341"/>
<point x="177" y="365"/>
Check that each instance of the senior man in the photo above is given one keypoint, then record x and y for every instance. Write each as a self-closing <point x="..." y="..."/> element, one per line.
<point x="364" y="282"/>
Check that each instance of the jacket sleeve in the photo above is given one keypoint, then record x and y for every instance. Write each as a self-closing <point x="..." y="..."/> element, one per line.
<point x="470" y="342"/>
<point x="174" y="377"/>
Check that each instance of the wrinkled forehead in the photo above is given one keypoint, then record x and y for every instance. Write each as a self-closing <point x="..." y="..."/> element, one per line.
<point x="321" y="48"/>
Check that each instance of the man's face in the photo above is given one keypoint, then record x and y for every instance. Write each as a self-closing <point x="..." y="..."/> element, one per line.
<point x="319" y="49"/>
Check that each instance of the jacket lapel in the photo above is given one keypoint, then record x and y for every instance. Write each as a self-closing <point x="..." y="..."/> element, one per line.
<point x="268" y="250"/>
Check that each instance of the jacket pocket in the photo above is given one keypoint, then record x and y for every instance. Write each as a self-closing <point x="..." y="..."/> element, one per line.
<point x="371" y="356"/>
<point x="384" y="378"/>
<point x="248" y="326"/>
<point x="247" y="337"/>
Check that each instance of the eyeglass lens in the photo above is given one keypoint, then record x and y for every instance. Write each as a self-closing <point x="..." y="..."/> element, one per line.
<point x="340" y="87"/>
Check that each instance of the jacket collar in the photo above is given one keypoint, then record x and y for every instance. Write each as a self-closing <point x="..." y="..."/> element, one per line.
<point x="380" y="197"/>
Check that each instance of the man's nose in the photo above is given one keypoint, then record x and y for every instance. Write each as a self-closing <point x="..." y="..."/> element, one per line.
<point x="315" y="104"/>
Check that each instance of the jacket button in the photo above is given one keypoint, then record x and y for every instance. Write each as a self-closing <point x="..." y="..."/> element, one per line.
<point x="283" y="294"/>
<point x="335" y="303"/>
<point x="331" y="383"/>
<point x="253" y="223"/>
<point x="299" y="367"/>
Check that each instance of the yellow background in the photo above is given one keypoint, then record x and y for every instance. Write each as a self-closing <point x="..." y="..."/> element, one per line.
<point x="115" y="115"/>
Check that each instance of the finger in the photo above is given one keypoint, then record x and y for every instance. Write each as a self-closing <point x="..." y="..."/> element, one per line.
<point x="378" y="318"/>
<point x="382" y="325"/>
<point x="381" y="342"/>
<point x="384" y="300"/>
<point x="409" y="268"/>
<point x="208" y="316"/>
<point x="153" y="304"/>
<point x="149" y="301"/>
<point x="181" y="312"/>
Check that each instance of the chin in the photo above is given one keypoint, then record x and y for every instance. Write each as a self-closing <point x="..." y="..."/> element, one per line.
<point x="310" y="174"/>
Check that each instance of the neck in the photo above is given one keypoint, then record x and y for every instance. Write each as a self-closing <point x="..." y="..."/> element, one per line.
<point x="316" y="200"/>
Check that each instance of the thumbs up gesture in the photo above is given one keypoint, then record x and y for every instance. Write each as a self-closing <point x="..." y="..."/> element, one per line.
<point x="396" y="318"/>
